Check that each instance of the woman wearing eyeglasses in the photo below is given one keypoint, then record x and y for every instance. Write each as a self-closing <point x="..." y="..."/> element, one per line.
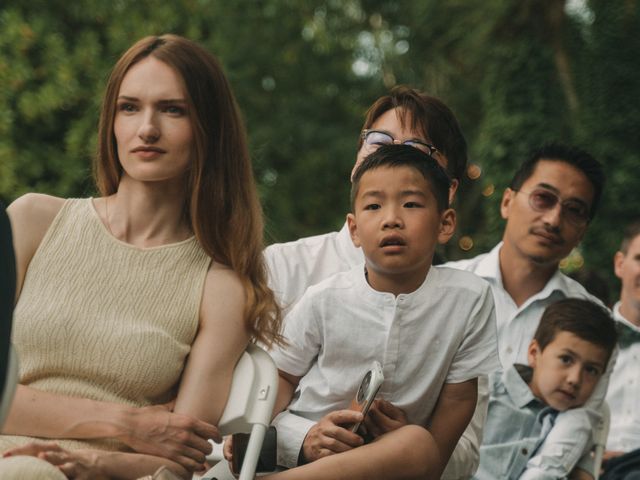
<point x="147" y="294"/>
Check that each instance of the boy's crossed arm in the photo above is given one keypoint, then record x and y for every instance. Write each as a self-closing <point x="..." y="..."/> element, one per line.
<point x="453" y="411"/>
<point x="328" y="435"/>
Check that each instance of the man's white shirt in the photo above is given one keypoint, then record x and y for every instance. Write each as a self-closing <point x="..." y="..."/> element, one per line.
<point x="623" y="395"/>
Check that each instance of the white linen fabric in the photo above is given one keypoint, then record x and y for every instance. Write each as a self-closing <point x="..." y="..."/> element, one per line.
<point x="444" y="332"/>
<point x="295" y="266"/>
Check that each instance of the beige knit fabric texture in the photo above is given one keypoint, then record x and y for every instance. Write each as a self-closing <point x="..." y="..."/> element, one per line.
<point x="101" y="319"/>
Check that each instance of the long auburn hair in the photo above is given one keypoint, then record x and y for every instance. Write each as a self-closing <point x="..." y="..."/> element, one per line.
<point x="222" y="203"/>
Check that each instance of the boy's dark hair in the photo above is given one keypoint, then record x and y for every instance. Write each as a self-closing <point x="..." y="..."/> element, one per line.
<point x="584" y="318"/>
<point x="630" y="232"/>
<point x="430" y="116"/>
<point x="406" y="156"/>
<point x="580" y="159"/>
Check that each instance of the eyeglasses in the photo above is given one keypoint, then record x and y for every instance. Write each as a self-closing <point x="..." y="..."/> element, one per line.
<point x="375" y="138"/>
<point x="575" y="212"/>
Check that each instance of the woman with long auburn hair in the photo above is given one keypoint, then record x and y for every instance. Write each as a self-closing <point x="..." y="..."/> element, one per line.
<point x="133" y="308"/>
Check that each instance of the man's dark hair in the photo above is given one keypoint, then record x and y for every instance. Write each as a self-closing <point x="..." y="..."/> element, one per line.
<point x="630" y="232"/>
<point x="580" y="159"/>
<point x="430" y="116"/>
<point x="585" y="319"/>
<point x="406" y="156"/>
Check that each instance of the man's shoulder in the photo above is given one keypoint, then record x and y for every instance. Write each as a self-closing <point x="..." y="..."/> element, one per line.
<point x="468" y="264"/>
<point x="317" y="256"/>
<point x="313" y="243"/>
<point x="344" y="281"/>
<point x="571" y="288"/>
<point x="453" y="278"/>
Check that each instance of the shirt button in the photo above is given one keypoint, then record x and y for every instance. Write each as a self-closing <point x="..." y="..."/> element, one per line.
<point x="509" y="350"/>
<point x="524" y="451"/>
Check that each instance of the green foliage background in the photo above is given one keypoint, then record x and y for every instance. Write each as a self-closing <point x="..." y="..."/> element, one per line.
<point x="517" y="73"/>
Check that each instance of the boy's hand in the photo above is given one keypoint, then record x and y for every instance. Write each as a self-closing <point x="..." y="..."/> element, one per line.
<point x="328" y="436"/>
<point x="384" y="417"/>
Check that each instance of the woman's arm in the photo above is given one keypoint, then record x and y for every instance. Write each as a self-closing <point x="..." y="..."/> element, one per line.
<point x="154" y="430"/>
<point x="222" y="337"/>
<point x="98" y="464"/>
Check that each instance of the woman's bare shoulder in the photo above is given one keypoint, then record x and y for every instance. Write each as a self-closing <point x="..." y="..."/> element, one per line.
<point x="223" y="292"/>
<point x="35" y="208"/>
<point x="224" y="280"/>
<point x="31" y="216"/>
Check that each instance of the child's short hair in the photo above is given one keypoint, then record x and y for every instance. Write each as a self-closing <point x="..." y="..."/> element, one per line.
<point x="406" y="156"/>
<point x="584" y="318"/>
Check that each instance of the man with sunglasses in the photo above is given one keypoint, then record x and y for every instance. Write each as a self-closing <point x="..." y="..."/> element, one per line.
<point x="547" y="207"/>
<point x="403" y="116"/>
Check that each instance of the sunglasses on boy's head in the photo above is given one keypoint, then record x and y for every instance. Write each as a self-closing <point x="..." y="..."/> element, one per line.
<point x="574" y="211"/>
<point x="375" y="138"/>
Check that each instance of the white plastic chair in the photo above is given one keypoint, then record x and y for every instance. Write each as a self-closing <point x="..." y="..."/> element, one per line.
<point x="600" y="434"/>
<point x="249" y="408"/>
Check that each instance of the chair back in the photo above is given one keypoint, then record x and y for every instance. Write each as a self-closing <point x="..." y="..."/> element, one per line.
<point x="253" y="393"/>
<point x="249" y="408"/>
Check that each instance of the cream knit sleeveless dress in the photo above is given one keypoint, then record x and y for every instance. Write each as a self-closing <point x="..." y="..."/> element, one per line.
<point x="101" y="319"/>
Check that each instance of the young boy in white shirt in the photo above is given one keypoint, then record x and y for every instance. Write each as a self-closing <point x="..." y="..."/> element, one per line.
<point x="567" y="356"/>
<point x="432" y="329"/>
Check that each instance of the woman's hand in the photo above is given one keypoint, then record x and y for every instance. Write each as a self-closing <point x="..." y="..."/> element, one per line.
<point x="156" y="430"/>
<point x="76" y="464"/>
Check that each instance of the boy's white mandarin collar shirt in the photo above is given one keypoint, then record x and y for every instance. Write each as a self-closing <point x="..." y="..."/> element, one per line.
<point x="444" y="332"/>
<point x="564" y="445"/>
<point x="623" y="395"/>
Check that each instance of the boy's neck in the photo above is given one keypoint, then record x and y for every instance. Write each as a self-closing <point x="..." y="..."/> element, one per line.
<point x="396" y="283"/>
